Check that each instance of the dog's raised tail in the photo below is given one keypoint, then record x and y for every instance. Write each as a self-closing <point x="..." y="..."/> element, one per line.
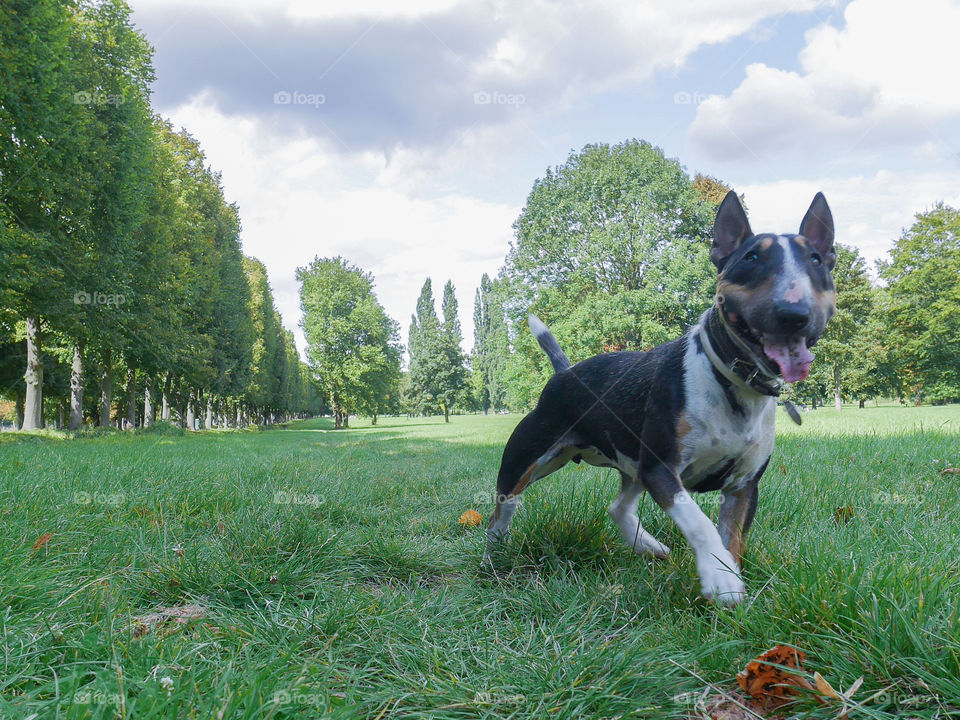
<point x="549" y="344"/>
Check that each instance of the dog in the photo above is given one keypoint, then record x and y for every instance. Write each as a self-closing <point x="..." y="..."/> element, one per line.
<point x="695" y="414"/>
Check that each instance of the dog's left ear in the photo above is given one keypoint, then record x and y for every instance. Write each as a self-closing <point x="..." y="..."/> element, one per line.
<point x="729" y="229"/>
<point x="817" y="227"/>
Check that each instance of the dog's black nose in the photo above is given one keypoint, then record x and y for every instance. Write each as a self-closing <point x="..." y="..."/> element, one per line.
<point x="792" y="316"/>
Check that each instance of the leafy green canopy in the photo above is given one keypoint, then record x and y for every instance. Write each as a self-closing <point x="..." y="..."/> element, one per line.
<point x="612" y="251"/>
<point x="923" y="278"/>
<point x="352" y="344"/>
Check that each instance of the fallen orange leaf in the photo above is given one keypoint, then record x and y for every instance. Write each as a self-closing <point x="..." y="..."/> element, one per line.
<point x="843" y="514"/>
<point x="768" y="685"/>
<point x="41" y="541"/>
<point x="470" y="518"/>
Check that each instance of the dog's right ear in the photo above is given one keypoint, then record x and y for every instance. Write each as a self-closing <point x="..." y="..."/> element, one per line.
<point x="729" y="229"/>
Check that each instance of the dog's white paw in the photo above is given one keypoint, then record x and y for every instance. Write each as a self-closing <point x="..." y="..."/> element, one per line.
<point x="647" y="544"/>
<point x="721" y="582"/>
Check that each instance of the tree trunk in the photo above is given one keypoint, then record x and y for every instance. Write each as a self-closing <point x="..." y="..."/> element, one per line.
<point x="19" y="405"/>
<point x="446" y="413"/>
<point x="148" y="409"/>
<point x="190" y="414"/>
<point x="165" y="399"/>
<point x="863" y="404"/>
<point x="106" y="388"/>
<point x="62" y="414"/>
<point x="374" y="421"/>
<point x="837" y="395"/>
<point x="131" y="397"/>
<point x="208" y="415"/>
<point x="33" y="377"/>
<point x="76" y="388"/>
<point x="337" y="419"/>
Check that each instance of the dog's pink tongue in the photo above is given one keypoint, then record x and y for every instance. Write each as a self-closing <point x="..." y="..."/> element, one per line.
<point x="793" y="358"/>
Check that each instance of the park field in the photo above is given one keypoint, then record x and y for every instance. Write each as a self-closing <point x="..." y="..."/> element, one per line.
<point x="319" y="573"/>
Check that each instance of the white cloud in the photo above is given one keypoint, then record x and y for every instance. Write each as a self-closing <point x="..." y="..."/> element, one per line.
<point x="392" y="79"/>
<point x="300" y="198"/>
<point x="309" y="9"/>
<point x="886" y="78"/>
<point x="870" y="211"/>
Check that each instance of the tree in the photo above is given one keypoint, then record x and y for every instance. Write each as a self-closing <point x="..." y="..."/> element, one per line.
<point x="846" y="345"/>
<point x="923" y="277"/>
<point x="612" y="251"/>
<point x="491" y="348"/>
<point x="424" y="349"/>
<point x="451" y="379"/>
<point x="351" y="342"/>
<point x="44" y="186"/>
<point x="438" y="376"/>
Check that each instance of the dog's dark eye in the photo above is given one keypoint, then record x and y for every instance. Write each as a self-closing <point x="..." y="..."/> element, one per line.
<point x="751" y="256"/>
<point x="816" y="259"/>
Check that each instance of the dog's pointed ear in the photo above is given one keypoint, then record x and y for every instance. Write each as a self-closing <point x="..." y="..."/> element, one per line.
<point x="729" y="229"/>
<point x="817" y="227"/>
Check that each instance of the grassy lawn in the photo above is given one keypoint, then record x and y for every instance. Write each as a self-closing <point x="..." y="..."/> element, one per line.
<point x="334" y="579"/>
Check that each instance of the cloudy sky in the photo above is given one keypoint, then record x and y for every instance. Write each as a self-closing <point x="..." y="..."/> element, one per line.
<point x="405" y="136"/>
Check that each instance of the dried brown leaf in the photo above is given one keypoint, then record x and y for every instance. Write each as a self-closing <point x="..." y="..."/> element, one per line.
<point x="168" y="619"/>
<point x="41" y="541"/>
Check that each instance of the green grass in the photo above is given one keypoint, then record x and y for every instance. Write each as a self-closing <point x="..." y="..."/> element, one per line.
<point x="359" y="594"/>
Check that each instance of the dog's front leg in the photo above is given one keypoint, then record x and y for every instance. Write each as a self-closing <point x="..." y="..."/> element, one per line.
<point x="735" y="518"/>
<point x="719" y="573"/>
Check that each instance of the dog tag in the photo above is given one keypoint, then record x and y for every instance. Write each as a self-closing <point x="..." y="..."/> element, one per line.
<point x="792" y="411"/>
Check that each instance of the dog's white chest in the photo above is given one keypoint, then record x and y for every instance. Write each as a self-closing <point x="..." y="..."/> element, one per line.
<point x="725" y="442"/>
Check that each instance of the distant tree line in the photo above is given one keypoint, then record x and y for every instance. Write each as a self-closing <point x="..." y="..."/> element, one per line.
<point x="898" y="337"/>
<point x="126" y="297"/>
<point x="611" y="250"/>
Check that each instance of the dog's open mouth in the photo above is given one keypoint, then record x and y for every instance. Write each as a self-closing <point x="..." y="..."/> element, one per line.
<point x="791" y="354"/>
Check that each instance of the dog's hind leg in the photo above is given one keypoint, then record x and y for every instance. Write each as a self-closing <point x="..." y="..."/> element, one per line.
<point x="736" y="515"/>
<point x="623" y="511"/>
<point x="533" y="452"/>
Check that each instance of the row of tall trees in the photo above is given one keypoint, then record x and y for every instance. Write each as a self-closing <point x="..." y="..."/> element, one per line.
<point x="437" y="380"/>
<point x="126" y="295"/>
<point x="612" y="251"/>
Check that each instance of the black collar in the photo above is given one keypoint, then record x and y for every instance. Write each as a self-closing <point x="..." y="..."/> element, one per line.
<point x="731" y="354"/>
